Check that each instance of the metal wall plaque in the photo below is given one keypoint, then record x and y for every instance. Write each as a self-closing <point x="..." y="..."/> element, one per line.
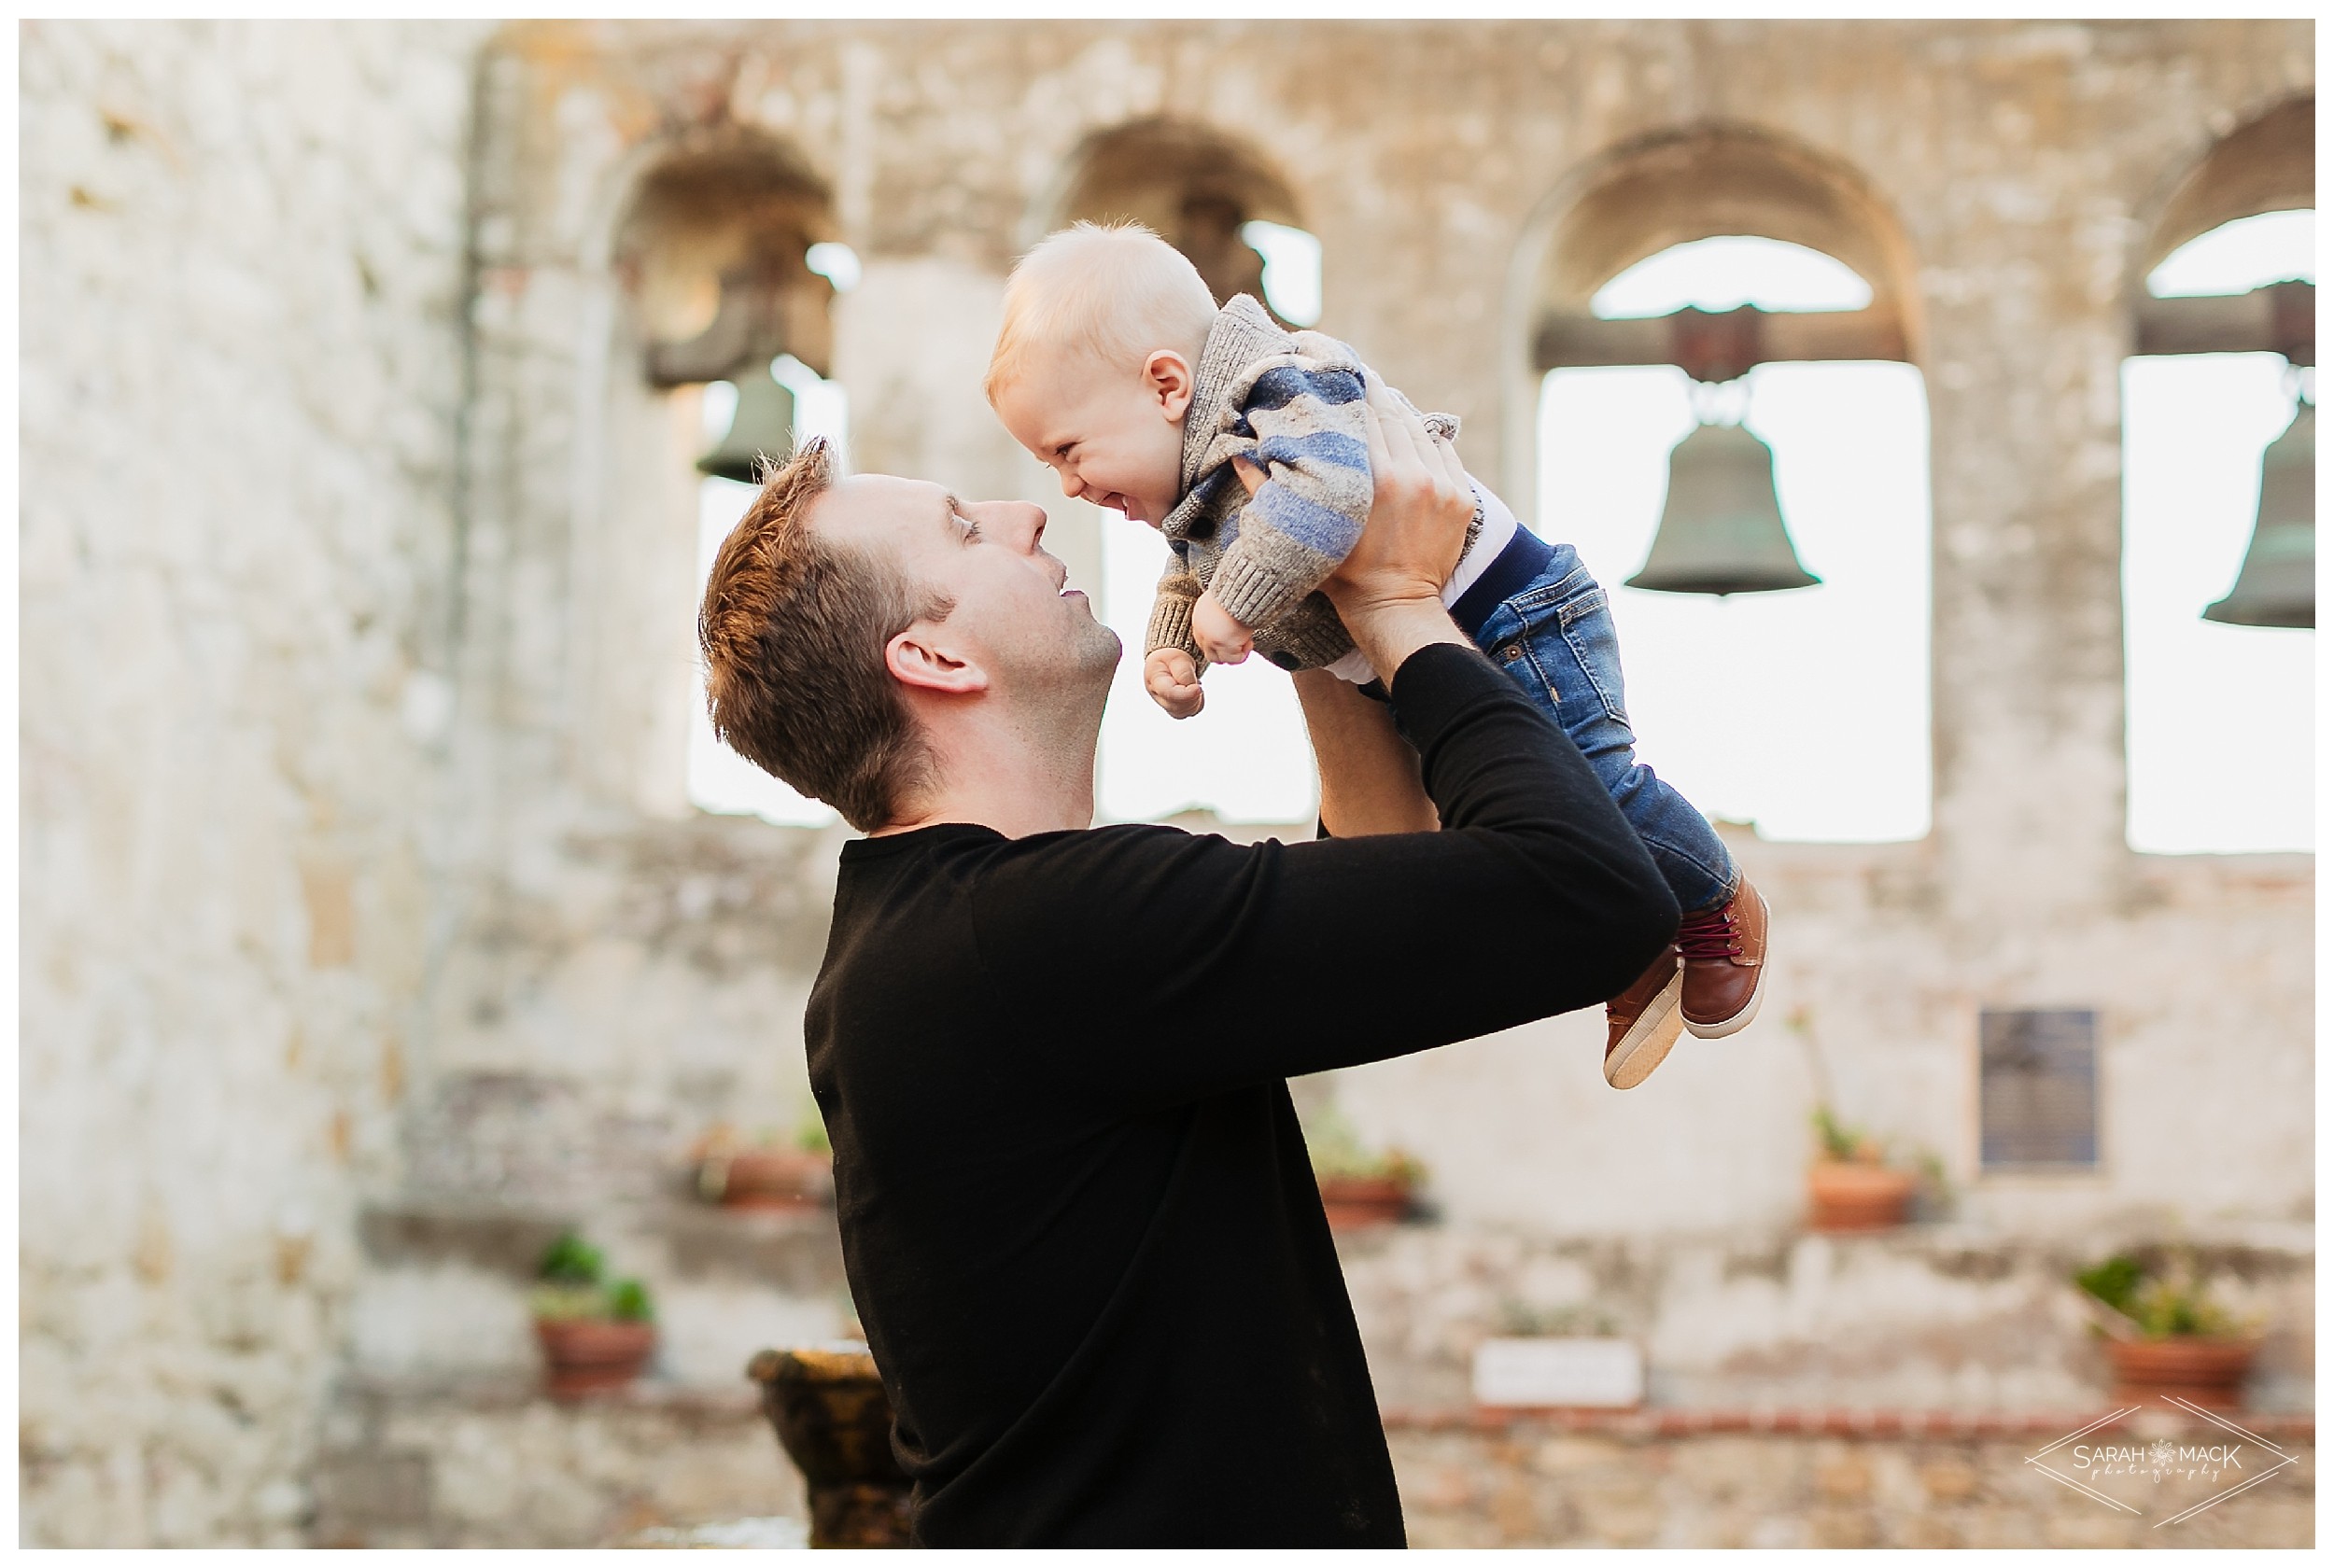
<point x="2038" y="1087"/>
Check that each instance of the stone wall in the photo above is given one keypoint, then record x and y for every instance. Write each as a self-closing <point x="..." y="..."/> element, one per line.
<point x="241" y="377"/>
<point x="2020" y="167"/>
<point x="370" y="937"/>
<point x="1629" y="1482"/>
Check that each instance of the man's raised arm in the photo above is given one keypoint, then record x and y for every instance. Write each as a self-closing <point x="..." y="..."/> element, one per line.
<point x="1176" y="966"/>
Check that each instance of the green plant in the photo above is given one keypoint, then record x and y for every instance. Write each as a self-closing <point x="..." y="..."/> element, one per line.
<point x="810" y="1135"/>
<point x="628" y="1302"/>
<point x="575" y="1286"/>
<point x="1837" y="1140"/>
<point x="2167" y="1306"/>
<point x="567" y="1303"/>
<point x="572" y="1261"/>
<point x="2113" y="1281"/>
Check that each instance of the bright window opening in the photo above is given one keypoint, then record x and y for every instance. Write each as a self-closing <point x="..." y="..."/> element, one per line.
<point x="1728" y="272"/>
<point x="721" y="780"/>
<point x="836" y="262"/>
<point x="2238" y="257"/>
<point x="2194" y="429"/>
<point x="1292" y="270"/>
<point x="1244" y="757"/>
<point x="1805" y="713"/>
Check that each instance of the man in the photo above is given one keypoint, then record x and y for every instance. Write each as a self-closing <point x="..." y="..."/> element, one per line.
<point x="1077" y="1211"/>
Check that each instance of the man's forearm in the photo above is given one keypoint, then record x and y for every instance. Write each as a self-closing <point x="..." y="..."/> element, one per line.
<point x="1369" y="782"/>
<point x="1389" y="633"/>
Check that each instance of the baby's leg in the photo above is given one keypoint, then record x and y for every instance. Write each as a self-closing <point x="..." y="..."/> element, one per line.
<point x="1554" y="634"/>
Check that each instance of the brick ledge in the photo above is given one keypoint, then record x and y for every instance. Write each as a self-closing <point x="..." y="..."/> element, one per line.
<point x="1817" y="1423"/>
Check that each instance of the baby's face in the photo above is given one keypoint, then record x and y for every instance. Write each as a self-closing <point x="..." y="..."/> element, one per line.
<point x="1114" y="437"/>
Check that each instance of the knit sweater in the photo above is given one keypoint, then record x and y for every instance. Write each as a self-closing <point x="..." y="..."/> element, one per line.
<point x="1291" y="403"/>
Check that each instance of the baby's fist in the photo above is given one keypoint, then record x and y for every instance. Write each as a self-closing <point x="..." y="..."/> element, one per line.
<point x="1223" y="640"/>
<point x="1172" y="681"/>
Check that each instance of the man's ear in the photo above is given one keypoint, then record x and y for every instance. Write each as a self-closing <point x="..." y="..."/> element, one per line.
<point x="918" y="657"/>
<point x="1167" y="376"/>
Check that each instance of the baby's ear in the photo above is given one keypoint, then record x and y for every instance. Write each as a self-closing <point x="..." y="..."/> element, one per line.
<point x="1167" y="376"/>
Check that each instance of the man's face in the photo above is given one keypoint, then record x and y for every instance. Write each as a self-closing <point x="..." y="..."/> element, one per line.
<point x="1015" y="613"/>
<point x="1108" y="434"/>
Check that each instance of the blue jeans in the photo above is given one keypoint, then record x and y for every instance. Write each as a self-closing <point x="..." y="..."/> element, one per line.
<point x="1543" y="618"/>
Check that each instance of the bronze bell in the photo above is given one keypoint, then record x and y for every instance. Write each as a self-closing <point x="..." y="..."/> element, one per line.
<point x="1721" y="529"/>
<point x="2277" y="585"/>
<point x="763" y="427"/>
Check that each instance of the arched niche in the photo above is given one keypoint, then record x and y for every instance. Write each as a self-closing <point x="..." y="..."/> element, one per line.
<point x="709" y="254"/>
<point x="2268" y="164"/>
<point x="1608" y="433"/>
<point x="1192" y="185"/>
<point x="694" y="271"/>
<point x="1637" y="199"/>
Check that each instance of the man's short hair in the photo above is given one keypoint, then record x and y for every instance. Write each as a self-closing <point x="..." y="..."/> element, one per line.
<point x="793" y="631"/>
<point x="1113" y="294"/>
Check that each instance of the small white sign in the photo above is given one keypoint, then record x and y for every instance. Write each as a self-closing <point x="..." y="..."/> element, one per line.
<point x="1602" y="1373"/>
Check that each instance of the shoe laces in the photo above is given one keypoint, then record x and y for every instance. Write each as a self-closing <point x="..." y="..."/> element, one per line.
<point x="1711" y="934"/>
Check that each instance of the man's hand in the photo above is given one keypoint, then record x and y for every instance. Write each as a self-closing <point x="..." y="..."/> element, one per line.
<point x="1418" y="515"/>
<point x="1222" y="638"/>
<point x="1174" y="683"/>
<point x="1389" y="590"/>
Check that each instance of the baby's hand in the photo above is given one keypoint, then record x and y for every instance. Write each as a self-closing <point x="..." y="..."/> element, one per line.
<point x="1223" y="640"/>
<point x="1169" y="677"/>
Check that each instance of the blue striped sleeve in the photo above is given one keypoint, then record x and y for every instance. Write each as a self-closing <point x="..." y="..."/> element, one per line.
<point x="1319" y="529"/>
<point x="1284" y="385"/>
<point x="1329" y="449"/>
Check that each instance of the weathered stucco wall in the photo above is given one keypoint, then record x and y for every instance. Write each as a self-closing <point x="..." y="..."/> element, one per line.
<point x="242" y="254"/>
<point x="368" y="936"/>
<point x="2021" y="164"/>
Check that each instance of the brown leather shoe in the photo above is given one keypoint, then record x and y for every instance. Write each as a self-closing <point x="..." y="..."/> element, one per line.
<point x="1725" y="964"/>
<point x="1641" y="1023"/>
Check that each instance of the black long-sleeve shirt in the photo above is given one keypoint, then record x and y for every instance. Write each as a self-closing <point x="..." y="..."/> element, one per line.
<point x="1077" y="1215"/>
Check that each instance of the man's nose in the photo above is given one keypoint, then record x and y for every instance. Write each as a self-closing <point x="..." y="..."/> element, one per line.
<point x="1036" y="519"/>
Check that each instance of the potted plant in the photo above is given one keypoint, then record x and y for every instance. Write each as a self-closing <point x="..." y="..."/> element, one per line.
<point x="771" y="1172"/>
<point x="1358" y="1188"/>
<point x="1848" y="1188"/>
<point x="2166" y="1335"/>
<point x="595" y="1334"/>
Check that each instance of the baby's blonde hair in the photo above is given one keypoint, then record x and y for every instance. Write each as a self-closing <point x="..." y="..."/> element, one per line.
<point x="1115" y="293"/>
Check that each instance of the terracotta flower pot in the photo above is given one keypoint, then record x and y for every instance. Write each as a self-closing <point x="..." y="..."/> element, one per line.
<point x="592" y="1355"/>
<point x="2205" y="1371"/>
<point x="776" y="1179"/>
<point x="1846" y="1195"/>
<point x="1354" y="1202"/>
<point x="835" y="1422"/>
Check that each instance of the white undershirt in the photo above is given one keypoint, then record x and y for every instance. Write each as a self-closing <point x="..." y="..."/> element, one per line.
<point x="1499" y="527"/>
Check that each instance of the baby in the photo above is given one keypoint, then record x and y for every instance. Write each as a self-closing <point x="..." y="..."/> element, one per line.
<point x="1115" y="369"/>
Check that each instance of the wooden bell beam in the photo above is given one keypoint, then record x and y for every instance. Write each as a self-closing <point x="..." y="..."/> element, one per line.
<point x="2277" y="318"/>
<point x="1718" y="345"/>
